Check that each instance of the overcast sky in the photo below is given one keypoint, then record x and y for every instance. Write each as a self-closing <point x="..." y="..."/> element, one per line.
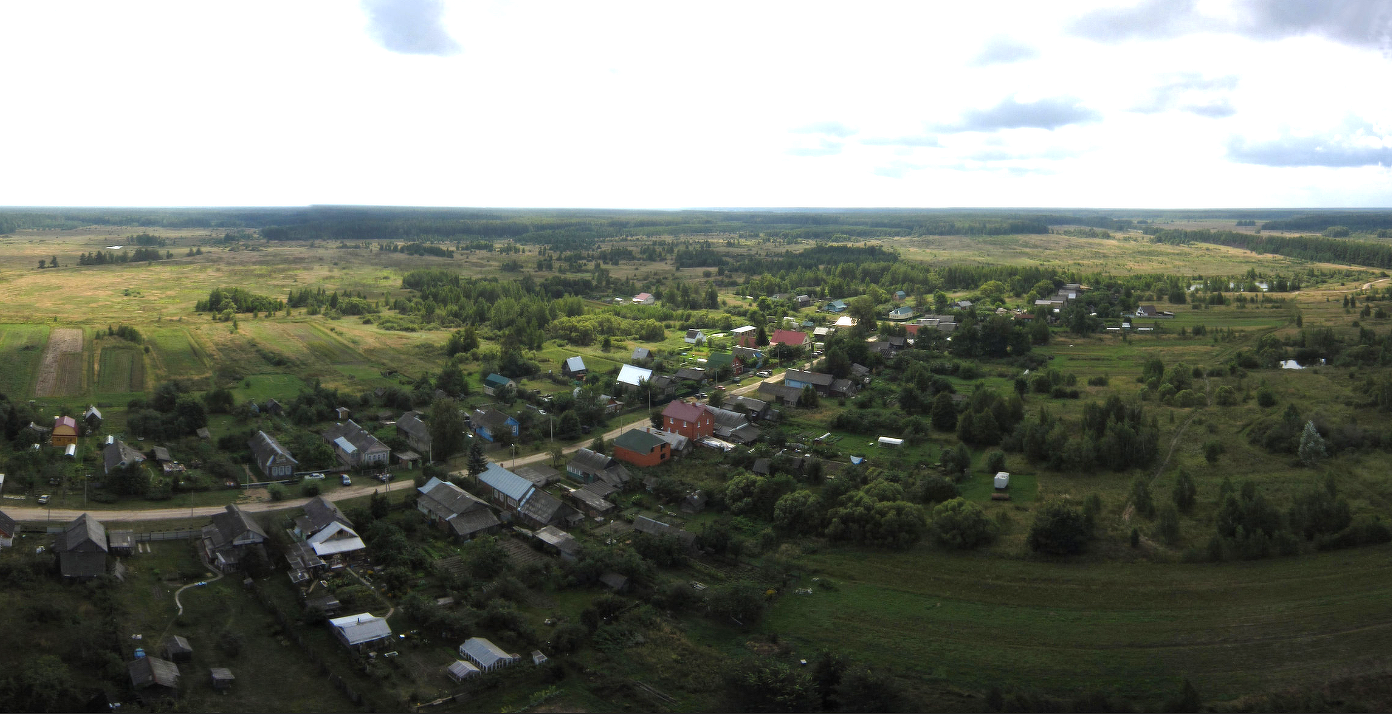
<point x="661" y="105"/>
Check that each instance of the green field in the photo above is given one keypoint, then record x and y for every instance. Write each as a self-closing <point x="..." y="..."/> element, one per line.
<point x="1126" y="630"/>
<point x="21" y="348"/>
<point x="178" y="353"/>
<point x="260" y="387"/>
<point x="122" y="370"/>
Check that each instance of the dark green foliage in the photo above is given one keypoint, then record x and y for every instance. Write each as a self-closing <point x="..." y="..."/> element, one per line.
<point x="1167" y="526"/>
<point x="237" y="300"/>
<point x="446" y="426"/>
<point x="1059" y="529"/>
<point x="959" y="523"/>
<point x="1141" y="498"/>
<point x="1319" y="511"/>
<point x="1185" y="493"/>
<point x="769" y="686"/>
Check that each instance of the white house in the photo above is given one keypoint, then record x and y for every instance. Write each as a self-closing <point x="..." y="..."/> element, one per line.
<point x="634" y="376"/>
<point x="360" y="630"/>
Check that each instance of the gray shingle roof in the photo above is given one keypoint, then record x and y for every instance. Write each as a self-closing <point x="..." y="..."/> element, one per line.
<point x="146" y="671"/>
<point x="320" y="512"/>
<point x="117" y="454"/>
<point x="267" y="452"/>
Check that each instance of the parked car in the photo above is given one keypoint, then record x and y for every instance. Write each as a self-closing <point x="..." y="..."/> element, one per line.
<point x="765" y="374"/>
<point x="347" y="481"/>
<point x="43" y="499"/>
<point x="316" y="476"/>
<point x="384" y="477"/>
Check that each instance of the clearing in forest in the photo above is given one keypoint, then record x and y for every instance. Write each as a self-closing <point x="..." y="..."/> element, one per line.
<point x="60" y="372"/>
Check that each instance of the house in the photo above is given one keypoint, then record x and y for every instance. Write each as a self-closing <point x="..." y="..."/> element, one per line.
<point x="762" y="467"/>
<point x="542" y="509"/>
<point x="491" y="424"/>
<point x="690" y="420"/>
<point x="539" y="474"/>
<point x="116" y="455"/>
<point x="963" y="304"/>
<point x="798" y="379"/>
<point x="641" y="353"/>
<point x="92" y="419"/>
<point x="82" y="548"/>
<point x="897" y="343"/>
<point x="751" y="357"/>
<point x="538" y="658"/>
<point x="694" y="337"/>
<point x="486" y="655"/>
<point x="781" y="393"/>
<point x="588" y="466"/>
<point x="506" y="488"/>
<point x="329" y="534"/>
<point x="695" y="502"/>
<point x="177" y="649"/>
<point x="590" y="501"/>
<point x="154" y="675"/>
<point x="643" y="524"/>
<point x="614" y="581"/>
<point x="633" y="376"/>
<point x="820" y="334"/>
<point x="161" y="454"/>
<point x="230" y="538"/>
<point x="64" y="431"/>
<point x="859" y="371"/>
<point x="493" y="382"/>
<point x="679" y="444"/>
<point x="751" y="408"/>
<point x="691" y="374"/>
<point x="461" y="670"/>
<point x="803" y="301"/>
<point x="901" y="313"/>
<point x="900" y="295"/>
<point x="363" y="631"/>
<point x="8" y="530"/>
<point x="574" y="367"/>
<point x="843" y="388"/>
<point x="791" y="338"/>
<point x="644" y="299"/>
<point x="640" y="448"/>
<point x="746" y="336"/>
<point x="356" y="447"/>
<point x="221" y="677"/>
<point x="455" y="510"/>
<point x="732" y="426"/>
<point x="273" y="408"/>
<point x="274" y="460"/>
<point x="415" y="432"/>
<point x="663" y="385"/>
<point x="836" y="306"/>
<point x="203" y="433"/>
<point x="560" y="542"/>
<point x="725" y="359"/>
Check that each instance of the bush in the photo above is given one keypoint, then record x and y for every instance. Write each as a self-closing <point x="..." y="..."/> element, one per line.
<point x="959" y="523"/>
<point x="276" y="492"/>
<point x="1059" y="529"/>
<point x="995" y="461"/>
<point x="309" y="489"/>
<point x="1265" y="398"/>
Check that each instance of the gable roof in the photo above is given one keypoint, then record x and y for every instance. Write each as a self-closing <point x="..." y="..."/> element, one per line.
<point x="629" y="374"/>
<point x="575" y="364"/>
<point x="360" y="628"/>
<point x="65" y="421"/>
<point x="643" y="524"/>
<point x="148" y="670"/>
<point x="84" y="535"/>
<point x="234" y="523"/>
<point x="725" y="417"/>
<point x="92" y="411"/>
<point x="559" y="539"/>
<point x="589" y="461"/>
<point x="320" y="512"/>
<point x="641" y="353"/>
<point x="506" y="482"/>
<point x="411" y="423"/>
<point x="719" y="359"/>
<point x="788" y="337"/>
<point x="265" y="449"/>
<point x="447" y="500"/>
<point x="471" y="522"/>
<point x="541" y="507"/>
<point x="638" y="440"/>
<point x="354" y="435"/>
<point x="496" y="380"/>
<point x="817" y="378"/>
<point x="117" y="454"/>
<point x="8" y="527"/>
<point x="539" y="474"/>
<point x="749" y="403"/>
<point x="484" y="652"/>
<point x="695" y="374"/>
<point x="161" y="454"/>
<point x="335" y="538"/>
<point x="492" y="418"/>
<point x="684" y="411"/>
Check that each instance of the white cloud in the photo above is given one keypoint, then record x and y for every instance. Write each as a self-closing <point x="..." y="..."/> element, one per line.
<point x="738" y="104"/>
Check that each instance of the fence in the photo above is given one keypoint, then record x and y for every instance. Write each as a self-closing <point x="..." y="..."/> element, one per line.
<point x="168" y="535"/>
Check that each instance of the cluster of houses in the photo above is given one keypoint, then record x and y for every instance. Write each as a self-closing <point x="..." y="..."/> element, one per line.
<point x="1061" y="299"/>
<point x="156" y="678"/>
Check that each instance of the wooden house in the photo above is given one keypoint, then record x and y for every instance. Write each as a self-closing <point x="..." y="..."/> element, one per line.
<point x="273" y="459"/>
<point x="64" y="431"/>
<point x="640" y="448"/>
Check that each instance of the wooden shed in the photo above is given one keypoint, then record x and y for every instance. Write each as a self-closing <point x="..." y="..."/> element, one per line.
<point x="222" y="677"/>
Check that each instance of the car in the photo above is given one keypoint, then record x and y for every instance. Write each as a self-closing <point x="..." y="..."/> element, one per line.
<point x="316" y="476"/>
<point x="384" y="477"/>
<point x="720" y="388"/>
<point x="347" y="481"/>
<point x="43" y="499"/>
<point x="765" y="374"/>
<point x="702" y="395"/>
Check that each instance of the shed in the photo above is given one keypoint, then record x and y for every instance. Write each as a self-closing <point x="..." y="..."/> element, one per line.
<point x="153" y="672"/>
<point x="222" y="677"/>
<point x="891" y="441"/>
<point x="1002" y="479"/>
<point x="614" y="581"/>
<point x="538" y="658"/>
<point x="177" y="649"/>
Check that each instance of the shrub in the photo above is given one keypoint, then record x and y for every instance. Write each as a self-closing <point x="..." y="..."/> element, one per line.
<point x="995" y="461"/>
<point x="1265" y="398"/>
<point x="1059" y="529"/>
<point x="959" y="523"/>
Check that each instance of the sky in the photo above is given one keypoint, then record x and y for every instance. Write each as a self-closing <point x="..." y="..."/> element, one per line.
<point x="1156" y="104"/>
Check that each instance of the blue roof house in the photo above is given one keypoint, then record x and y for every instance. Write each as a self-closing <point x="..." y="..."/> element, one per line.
<point x="836" y="306"/>
<point x="506" y="488"/>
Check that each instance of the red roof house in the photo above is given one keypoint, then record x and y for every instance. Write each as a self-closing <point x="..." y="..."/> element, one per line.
<point x="64" y="431"/>
<point x="693" y="421"/>
<point x="791" y="338"/>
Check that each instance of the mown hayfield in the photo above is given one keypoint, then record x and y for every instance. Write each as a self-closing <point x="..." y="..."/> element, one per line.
<point x="260" y="387"/>
<point x="177" y="353"/>
<point x="21" y="347"/>
<point x="1130" y="630"/>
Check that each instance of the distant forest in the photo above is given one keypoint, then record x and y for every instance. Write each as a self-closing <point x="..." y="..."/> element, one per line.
<point x="1315" y="248"/>
<point x="583" y="229"/>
